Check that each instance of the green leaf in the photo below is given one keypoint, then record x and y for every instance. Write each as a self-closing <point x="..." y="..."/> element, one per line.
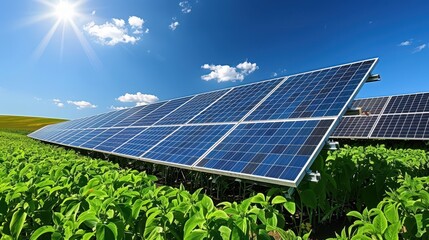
<point x="136" y="208"/>
<point x="258" y="198"/>
<point x="308" y="198"/>
<point x="192" y="222"/>
<point x="290" y="207"/>
<point x="355" y="214"/>
<point x="380" y="223"/>
<point x="197" y="234"/>
<point x="225" y="232"/>
<point x="113" y="229"/>
<point x="392" y="232"/>
<point x="391" y="213"/>
<point x="219" y="214"/>
<point x="17" y="223"/>
<point x="278" y="200"/>
<point x="42" y="230"/>
<point x="207" y="203"/>
<point x="88" y="236"/>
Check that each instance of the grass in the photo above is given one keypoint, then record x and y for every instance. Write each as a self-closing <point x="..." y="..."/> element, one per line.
<point x="21" y="124"/>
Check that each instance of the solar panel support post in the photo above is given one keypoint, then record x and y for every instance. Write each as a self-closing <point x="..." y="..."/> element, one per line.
<point x="332" y="145"/>
<point x="314" y="176"/>
<point x="374" y="78"/>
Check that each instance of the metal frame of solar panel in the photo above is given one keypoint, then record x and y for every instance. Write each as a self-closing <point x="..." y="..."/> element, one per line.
<point x="398" y="117"/>
<point x="269" y="131"/>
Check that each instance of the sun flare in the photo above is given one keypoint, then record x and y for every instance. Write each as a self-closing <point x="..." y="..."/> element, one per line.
<point x="65" y="11"/>
<point x="66" y="15"/>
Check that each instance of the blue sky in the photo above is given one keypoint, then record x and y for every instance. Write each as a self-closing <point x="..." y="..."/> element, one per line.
<point x="124" y="53"/>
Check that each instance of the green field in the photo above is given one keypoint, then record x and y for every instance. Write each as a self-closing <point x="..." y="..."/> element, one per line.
<point x="25" y="124"/>
<point x="49" y="192"/>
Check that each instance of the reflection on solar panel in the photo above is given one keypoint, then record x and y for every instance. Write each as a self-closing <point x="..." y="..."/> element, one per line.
<point x="394" y="117"/>
<point x="268" y="131"/>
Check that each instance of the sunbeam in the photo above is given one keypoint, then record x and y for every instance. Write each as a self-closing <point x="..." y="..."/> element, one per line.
<point x="66" y="13"/>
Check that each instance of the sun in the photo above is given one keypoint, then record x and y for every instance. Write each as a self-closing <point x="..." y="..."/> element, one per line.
<point x="66" y="15"/>
<point x="65" y="11"/>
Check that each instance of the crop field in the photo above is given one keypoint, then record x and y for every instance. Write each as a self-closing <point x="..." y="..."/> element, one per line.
<point x="25" y="124"/>
<point x="365" y="192"/>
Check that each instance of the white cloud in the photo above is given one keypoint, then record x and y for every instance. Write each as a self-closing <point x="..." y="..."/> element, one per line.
<point x="81" y="104"/>
<point x="225" y="73"/>
<point x="174" y="25"/>
<point x="405" y="43"/>
<point x="116" y="31"/>
<point x="420" y="48"/>
<point x="93" y="12"/>
<point x="138" y="98"/>
<point x="135" y="22"/>
<point x="38" y="99"/>
<point x="58" y="102"/>
<point x="275" y="74"/>
<point x="119" y="22"/>
<point x="186" y="7"/>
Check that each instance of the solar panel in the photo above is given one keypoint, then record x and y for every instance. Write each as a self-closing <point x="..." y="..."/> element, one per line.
<point x="187" y="144"/>
<point x="118" y="139"/>
<point x="355" y="126"/>
<point x="268" y="131"/>
<point x="403" y="126"/>
<point x="394" y="117"/>
<point x="100" y="138"/>
<point x="145" y="140"/>
<point x="160" y="112"/>
<point x="234" y="105"/>
<point x="276" y="150"/>
<point x="186" y="112"/>
<point x="316" y="94"/>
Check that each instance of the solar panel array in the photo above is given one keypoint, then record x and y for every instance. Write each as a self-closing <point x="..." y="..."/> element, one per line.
<point x="394" y="117"/>
<point x="269" y="131"/>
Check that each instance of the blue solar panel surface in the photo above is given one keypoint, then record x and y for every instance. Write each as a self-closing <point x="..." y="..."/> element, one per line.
<point x="145" y="140"/>
<point x="100" y="138"/>
<point x="191" y="108"/>
<point x="234" y="105"/>
<point x="161" y="112"/>
<point x="394" y="117"/>
<point x="143" y="111"/>
<point x="187" y="144"/>
<point x="118" y="139"/>
<point x="268" y="131"/>
<point x="315" y="94"/>
<point x="275" y="149"/>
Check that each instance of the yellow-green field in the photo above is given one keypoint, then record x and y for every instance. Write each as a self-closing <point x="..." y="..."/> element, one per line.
<point x="25" y="124"/>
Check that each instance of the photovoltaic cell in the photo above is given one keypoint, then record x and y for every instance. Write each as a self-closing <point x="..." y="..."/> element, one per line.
<point x="191" y="108"/>
<point x="316" y="94"/>
<point x="275" y="150"/>
<point x="101" y="137"/>
<point x="187" y="144"/>
<point x="118" y="139"/>
<point x="371" y="105"/>
<point x="71" y="138"/>
<point x="396" y="117"/>
<point x="110" y="117"/>
<point x="234" y="105"/>
<point x="159" y="113"/>
<point x="86" y="136"/>
<point x="403" y="126"/>
<point x="126" y="113"/>
<point x="408" y="103"/>
<point x="145" y="140"/>
<point x="359" y="126"/>
<point x="143" y="111"/>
